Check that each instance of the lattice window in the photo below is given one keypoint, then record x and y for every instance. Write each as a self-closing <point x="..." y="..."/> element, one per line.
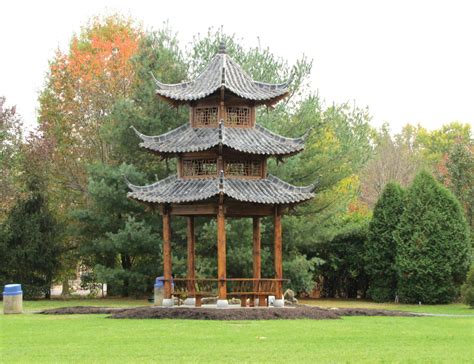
<point x="199" y="167"/>
<point x="205" y="116"/>
<point x="246" y="168"/>
<point x="238" y="116"/>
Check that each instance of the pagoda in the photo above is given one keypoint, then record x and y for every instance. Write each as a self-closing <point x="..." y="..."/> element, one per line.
<point x="222" y="156"/>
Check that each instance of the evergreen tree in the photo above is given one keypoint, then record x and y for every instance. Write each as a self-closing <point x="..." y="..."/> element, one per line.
<point x="433" y="245"/>
<point x="119" y="238"/>
<point x="381" y="247"/>
<point x="29" y="244"/>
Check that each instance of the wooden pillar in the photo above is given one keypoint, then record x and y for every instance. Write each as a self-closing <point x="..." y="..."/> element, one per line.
<point x="221" y="254"/>
<point x="167" y="252"/>
<point x="191" y="265"/>
<point x="257" y="260"/>
<point x="278" y="252"/>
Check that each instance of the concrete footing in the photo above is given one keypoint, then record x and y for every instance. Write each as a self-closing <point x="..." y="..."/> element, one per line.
<point x="190" y="301"/>
<point x="279" y="303"/>
<point x="222" y="304"/>
<point x="168" y="302"/>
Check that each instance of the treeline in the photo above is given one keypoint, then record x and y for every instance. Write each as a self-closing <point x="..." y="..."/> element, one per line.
<point x="64" y="198"/>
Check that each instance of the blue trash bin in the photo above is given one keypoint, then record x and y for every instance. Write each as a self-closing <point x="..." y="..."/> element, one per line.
<point x="159" y="282"/>
<point x="12" y="298"/>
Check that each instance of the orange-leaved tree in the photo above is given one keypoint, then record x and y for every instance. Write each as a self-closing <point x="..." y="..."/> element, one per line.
<point x="81" y="87"/>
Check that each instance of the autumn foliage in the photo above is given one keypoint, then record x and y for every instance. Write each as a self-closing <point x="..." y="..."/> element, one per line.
<point x="82" y="85"/>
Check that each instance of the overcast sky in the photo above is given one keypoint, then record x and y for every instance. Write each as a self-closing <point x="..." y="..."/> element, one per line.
<point x="408" y="61"/>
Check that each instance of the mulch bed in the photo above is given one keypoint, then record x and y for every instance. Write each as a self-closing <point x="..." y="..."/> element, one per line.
<point x="188" y="313"/>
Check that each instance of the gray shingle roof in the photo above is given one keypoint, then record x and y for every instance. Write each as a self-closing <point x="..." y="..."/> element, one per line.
<point x="223" y="71"/>
<point x="257" y="140"/>
<point x="270" y="190"/>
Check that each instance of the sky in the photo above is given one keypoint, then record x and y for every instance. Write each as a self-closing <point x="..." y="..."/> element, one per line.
<point x="407" y="61"/>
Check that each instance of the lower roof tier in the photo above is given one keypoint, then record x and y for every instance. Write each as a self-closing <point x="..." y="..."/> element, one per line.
<point x="270" y="190"/>
<point x="256" y="140"/>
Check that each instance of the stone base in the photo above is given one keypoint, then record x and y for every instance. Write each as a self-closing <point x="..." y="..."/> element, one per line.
<point x="279" y="303"/>
<point x="222" y="304"/>
<point x="190" y="301"/>
<point x="168" y="302"/>
<point x="13" y="304"/>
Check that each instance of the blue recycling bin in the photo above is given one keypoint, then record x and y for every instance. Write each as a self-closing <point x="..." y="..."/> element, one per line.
<point x="12" y="298"/>
<point x="159" y="282"/>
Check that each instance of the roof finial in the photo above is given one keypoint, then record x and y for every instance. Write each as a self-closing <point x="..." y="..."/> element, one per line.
<point x="222" y="47"/>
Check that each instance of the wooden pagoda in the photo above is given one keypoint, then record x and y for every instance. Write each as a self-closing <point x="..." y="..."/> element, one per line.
<point x="222" y="172"/>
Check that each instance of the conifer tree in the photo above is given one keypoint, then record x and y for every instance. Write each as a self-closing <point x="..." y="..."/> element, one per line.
<point x="381" y="246"/>
<point x="29" y="244"/>
<point x="433" y="244"/>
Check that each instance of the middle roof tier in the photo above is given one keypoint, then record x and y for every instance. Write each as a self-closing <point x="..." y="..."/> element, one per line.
<point x="256" y="140"/>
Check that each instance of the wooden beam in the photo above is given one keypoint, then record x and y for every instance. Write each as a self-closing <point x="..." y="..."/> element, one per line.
<point x="232" y="209"/>
<point x="196" y="209"/>
<point x="191" y="265"/>
<point x="257" y="260"/>
<point x="167" y="252"/>
<point x="221" y="254"/>
<point x="278" y="251"/>
<point x="241" y="210"/>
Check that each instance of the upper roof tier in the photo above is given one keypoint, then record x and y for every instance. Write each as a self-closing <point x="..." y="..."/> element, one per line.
<point x="222" y="71"/>
<point x="257" y="140"/>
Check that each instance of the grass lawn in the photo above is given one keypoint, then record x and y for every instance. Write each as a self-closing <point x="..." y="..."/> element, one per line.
<point x="93" y="338"/>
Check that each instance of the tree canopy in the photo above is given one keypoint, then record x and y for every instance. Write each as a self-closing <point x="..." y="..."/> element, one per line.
<point x="102" y="84"/>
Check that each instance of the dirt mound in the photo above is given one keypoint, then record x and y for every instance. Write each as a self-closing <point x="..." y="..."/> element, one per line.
<point x="186" y="313"/>
<point x="189" y="313"/>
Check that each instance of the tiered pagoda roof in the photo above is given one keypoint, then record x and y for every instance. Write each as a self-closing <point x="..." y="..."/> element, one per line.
<point x="257" y="140"/>
<point x="223" y="71"/>
<point x="270" y="190"/>
<point x="217" y="148"/>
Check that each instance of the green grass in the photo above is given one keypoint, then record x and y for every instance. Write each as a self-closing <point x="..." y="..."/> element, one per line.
<point x="35" y="338"/>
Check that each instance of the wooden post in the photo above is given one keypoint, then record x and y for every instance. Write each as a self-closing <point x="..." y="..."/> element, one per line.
<point x="191" y="271"/>
<point x="167" y="252"/>
<point x="257" y="260"/>
<point x="221" y="253"/>
<point x="278" y="252"/>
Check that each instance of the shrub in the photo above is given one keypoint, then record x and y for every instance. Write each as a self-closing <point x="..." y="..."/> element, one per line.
<point x="343" y="269"/>
<point x="467" y="290"/>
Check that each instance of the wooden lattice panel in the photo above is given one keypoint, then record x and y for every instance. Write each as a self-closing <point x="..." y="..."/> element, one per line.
<point x="206" y="116"/>
<point x="238" y="116"/>
<point x="245" y="168"/>
<point x="199" y="167"/>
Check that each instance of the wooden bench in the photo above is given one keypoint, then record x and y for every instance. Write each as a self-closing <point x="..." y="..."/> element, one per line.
<point x="243" y="288"/>
<point x="195" y="288"/>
